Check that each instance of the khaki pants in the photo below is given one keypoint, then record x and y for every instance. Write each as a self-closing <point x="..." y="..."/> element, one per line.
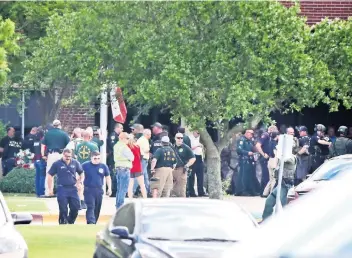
<point x="272" y="163"/>
<point x="180" y="182"/>
<point x="52" y="157"/>
<point x="164" y="185"/>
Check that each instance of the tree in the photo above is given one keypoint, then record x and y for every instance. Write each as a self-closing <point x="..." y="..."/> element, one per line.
<point x="330" y="43"/>
<point x="208" y="62"/>
<point x="31" y="20"/>
<point x="8" y="46"/>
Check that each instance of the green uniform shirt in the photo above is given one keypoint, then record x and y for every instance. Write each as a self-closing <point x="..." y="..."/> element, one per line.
<point x="186" y="140"/>
<point x="98" y="141"/>
<point x="185" y="153"/>
<point x="84" y="149"/>
<point x="165" y="157"/>
<point x="56" y="139"/>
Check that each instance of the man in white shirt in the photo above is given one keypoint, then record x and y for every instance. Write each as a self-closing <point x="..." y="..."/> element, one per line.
<point x="198" y="166"/>
<point x="143" y="143"/>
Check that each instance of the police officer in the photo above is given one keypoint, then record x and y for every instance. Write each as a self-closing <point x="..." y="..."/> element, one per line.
<point x="288" y="176"/>
<point x="303" y="156"/>
<point x="158" y="133"/>
<point x="32" y="142"/>
<point x="10" y="145"/>
<point x="94" y="173"/>
<point x="263" y="149"/>
<point x="111" y="141"/>
<point x="163" y="163"/>
<point x="342" y="145"/>
<point x="319" y="147"/>
<point x="55" y="140"/>
<point x="247" y="183"/>
<point x="137" y="130"/>
<point x="185" y="159"/>
<point x="67" y="186"/>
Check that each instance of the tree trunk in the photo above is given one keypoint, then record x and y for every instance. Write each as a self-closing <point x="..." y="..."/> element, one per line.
<point x="213" y="166"/>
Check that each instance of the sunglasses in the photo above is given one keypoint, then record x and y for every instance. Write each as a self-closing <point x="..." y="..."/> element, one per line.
<point x="179" y="138"/>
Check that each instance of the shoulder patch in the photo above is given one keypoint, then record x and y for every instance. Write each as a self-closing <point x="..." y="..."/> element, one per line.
<point x="101" y="171"/>
<point x="241" y="142"/>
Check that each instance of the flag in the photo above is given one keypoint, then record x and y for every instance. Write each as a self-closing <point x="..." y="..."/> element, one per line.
<point x="118" y="106"/>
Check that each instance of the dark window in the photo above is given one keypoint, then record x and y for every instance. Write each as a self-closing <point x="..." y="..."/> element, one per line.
<point x="125" y="217"/>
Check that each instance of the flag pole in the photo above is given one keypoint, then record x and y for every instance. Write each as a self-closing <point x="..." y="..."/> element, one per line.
<point x="278" y="206"/>
<point x="103" y="121"/>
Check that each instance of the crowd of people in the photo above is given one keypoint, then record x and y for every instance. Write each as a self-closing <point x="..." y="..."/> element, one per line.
<point x="308" y="153"/>
<point x="143" y="161"/>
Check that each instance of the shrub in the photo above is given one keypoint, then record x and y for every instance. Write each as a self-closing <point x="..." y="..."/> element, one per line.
<point x="19" y="180"/>
<point x="3" y="132"/>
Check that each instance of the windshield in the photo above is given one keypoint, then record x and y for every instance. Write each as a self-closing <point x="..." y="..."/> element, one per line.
<point x="330" y="169"/>
<point x="195" y="223"/>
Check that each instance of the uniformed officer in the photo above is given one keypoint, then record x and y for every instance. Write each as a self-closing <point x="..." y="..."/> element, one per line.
<point x="185" y="159"/>
<point x="67" y="186"/>
<point x="303" y="156"/>
<point x="263" y="149"/>
<point x="158" y="133"/>
<point x="94" y="173"/>
<point x="248" y="185"/>
<point x="55" y="140"/>
<point x="137" y="130"/>
<point x="163" y="163"/>
<point x="10" y="145"/>
<point x="288" y="176"/>
<point x="319" y="147"/>
<point x="32" y="142"/>
<point x="82" y="154"/>
<point x="342" y="145"/>
<point x="111" y="141"/>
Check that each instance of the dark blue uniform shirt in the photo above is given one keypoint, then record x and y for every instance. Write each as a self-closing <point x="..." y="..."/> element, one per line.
<point x="94" y="174"/>
<point x="324" y="149"/>
<point x="66" y="174"/>
<point x="272" y="147"/>
<point x="264" y="142"/>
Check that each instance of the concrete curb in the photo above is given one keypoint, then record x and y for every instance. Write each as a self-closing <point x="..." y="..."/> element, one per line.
<point x="39" y="219"/>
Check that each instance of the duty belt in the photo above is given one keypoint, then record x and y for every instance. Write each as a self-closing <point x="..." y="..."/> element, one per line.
<point x="55" y="150"/>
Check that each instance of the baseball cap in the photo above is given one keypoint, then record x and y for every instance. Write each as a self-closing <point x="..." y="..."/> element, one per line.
<point x="302" y="129"/>
<point x="157" y="124"/>
<point x="165" y="139"/>
<point x="56" y="122"/>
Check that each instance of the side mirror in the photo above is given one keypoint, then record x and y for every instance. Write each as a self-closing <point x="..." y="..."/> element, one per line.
<point x="21" y="218"/>
<point x="308" y="176"/>
<point x="121" y="232"/>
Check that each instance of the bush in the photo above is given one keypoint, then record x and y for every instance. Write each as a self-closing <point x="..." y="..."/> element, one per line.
<point x="3" y="131"/>
<point x="19" y="180"/>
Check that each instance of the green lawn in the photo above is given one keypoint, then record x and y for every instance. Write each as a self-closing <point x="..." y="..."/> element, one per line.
<point x="66" y="241"/>
<point x="23" y="203"/>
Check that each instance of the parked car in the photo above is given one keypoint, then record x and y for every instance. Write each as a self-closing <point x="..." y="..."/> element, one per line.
<point x="173" y="227"/>
<point x="327" y="171"/>
<point x="12" y="244"/>
<point x="307" y="228"/>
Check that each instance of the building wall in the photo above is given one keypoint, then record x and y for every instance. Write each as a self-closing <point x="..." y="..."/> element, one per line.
<point x="315" y="11"/>
<point x="75" y="116"/>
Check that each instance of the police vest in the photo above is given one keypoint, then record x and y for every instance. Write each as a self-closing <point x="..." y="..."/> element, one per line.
<point x="340" y="146"/>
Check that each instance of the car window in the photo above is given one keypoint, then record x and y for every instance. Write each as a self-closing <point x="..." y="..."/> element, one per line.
<point x="125" y="217"/>
<point x="330" y="169"/>
<point x="3" y="219"/>
<point x="182" y="223"/>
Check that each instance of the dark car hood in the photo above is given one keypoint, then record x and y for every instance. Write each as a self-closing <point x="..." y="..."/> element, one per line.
<point x="192" y="249"/>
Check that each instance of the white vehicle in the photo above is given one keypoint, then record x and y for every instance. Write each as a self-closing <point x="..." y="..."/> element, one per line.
<point x="316" y="225"/>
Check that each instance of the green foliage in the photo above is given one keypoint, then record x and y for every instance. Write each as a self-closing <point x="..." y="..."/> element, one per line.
<point x="225" y="184"/>
<point x="3" y="131"/>
<point x="19" y="180"/>
<point x="330" y="42"/>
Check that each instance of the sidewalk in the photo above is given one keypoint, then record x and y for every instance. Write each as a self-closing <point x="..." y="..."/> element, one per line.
<point x="254" y="205"/>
